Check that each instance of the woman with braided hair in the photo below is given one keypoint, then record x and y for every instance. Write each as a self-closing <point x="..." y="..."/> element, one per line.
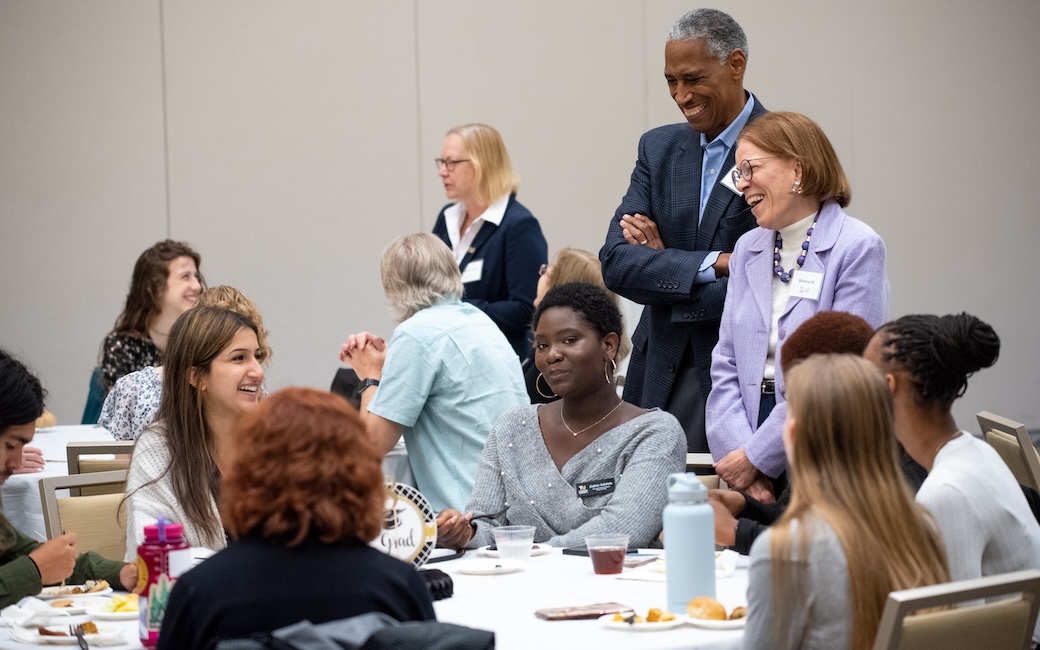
<point x="985" y="521"/>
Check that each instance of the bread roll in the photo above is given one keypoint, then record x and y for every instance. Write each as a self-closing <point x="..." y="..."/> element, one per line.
<point x="737" y="613"/>
<point x="706" y="608"/>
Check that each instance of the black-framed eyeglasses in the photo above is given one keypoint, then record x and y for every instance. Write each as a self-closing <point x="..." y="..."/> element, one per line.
<point x="448" y="164"/>
<point x="745" y="170"/>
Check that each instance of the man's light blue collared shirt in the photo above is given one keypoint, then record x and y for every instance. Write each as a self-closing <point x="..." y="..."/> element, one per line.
<point x="711" y="169"/>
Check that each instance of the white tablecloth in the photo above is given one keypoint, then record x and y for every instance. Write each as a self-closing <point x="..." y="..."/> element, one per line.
<point x="20" y="494"/>
<point x="506" y="605"/>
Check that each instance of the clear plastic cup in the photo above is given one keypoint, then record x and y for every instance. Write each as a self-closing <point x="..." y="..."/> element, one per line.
<point x="514" y="542"/>
<point x="607" y="552"/>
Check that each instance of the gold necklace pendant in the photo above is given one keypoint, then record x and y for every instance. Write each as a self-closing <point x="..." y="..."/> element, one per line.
<point x="576" y="433"/>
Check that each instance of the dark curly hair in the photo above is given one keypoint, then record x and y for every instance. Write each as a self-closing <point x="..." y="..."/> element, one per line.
<point x="305" y="468"/>
<point x="144" y="300"/>
<point x="21" y="395"/>
<point x="939" y="353"/>
<point x="828" y="332"/>
<point x="590" y="302"/>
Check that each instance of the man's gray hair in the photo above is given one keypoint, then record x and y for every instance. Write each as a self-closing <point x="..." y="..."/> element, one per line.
<point x="720" y="32"/>
<point x="419" y="271"/>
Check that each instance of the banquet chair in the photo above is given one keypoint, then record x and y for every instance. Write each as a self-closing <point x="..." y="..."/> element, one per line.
<point x="77" y="465"/>
<point x="1004" y="624"/>
<point x="93" y="518"/>
<point x="1011" y="441"/>
<point x="703" y="465"/>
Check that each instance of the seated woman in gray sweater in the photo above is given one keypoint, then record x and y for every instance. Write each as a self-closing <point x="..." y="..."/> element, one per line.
<point x="587" y="463"/>
<point x="819" y="577"/>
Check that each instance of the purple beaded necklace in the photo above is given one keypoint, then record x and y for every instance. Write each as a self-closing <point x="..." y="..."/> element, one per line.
<point x="785" y="276"/>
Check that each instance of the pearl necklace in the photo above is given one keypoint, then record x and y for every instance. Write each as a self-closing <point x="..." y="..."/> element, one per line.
<point x="785" y="276"/>
<point x="575" y="433"/>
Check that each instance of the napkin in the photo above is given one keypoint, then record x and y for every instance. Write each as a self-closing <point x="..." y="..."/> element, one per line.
<point x="105" y="635"/>
<point x="32" y="611"/>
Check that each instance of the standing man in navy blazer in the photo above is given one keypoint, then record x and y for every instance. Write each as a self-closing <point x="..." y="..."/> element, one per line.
<point x="669" y="242"/>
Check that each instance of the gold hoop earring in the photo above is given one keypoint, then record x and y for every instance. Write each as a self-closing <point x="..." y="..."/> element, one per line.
<point x="539" y="388"/>
<point x="609" y="374"/>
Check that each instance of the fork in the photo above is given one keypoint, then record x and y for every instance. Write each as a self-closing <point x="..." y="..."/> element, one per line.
<point x="77" y="631"/>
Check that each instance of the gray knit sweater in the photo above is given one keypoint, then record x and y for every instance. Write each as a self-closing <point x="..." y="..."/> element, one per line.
<point x="517" y="474"/>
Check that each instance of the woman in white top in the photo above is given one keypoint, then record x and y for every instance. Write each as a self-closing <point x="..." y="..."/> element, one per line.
<point x="819" y="577"/>
<point x="986" y="523"/>
<point x="212" y="378"/>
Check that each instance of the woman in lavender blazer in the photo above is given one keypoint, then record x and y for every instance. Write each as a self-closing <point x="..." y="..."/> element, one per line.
<point x="805" y="257"/>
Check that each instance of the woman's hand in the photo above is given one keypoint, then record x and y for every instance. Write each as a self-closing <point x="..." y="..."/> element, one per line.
<point x="733" y="501"/>
<point x="453" y="528"/>
<point x="725" y="522"/>
<point x="761" y="489"/>
<point x="128" y="576"/>
<point x="640" y="229"/>
<point x="736" y="470"/>
<point x="32" y="461"/>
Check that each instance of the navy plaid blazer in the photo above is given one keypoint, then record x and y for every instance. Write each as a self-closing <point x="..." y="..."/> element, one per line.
<point x="666" y="187"/>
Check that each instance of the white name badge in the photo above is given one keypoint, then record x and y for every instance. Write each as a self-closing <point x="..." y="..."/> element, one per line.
<point x="727" y="181"/>
<point x="472" y="271"/>
<point x="806" y="284"/>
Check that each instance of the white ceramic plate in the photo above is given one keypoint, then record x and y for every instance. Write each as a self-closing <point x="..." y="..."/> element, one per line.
<point x="536" y="549"/>
<point x="716" y="625"/>
<point x="32" y="635"/>
<point x="607" y="620"/>
<point x="489" y="567"/>
<point x="102" y="613"/>
<point x="50" y="593"/>
<point x="80" y="604"/>
<point x="725" y="564"/>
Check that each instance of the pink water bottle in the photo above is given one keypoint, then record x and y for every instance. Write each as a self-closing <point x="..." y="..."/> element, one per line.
<point x="162" y="558"/>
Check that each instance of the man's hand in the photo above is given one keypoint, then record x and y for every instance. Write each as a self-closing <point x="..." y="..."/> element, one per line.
<point x="453" y="528"/>
<point x="736" y="470"/>
<point x="32" y="461"/>
<point x="725" y="522"/>
<point x="128" y="576"/>
<point x="641" y="230"/>
<point x="56" y="559"/>
<point x="721" y="265"/>
<point x="365" y="352"/>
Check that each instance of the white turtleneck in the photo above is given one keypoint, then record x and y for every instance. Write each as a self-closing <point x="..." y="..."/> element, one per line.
<point x="793" y="236"/>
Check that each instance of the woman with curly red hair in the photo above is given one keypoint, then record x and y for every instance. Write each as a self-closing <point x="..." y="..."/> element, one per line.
<point x="301" y="500"/>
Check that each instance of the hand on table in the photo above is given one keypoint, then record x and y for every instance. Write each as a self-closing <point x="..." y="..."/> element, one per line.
<point x="56" y="558"/>
<point x="736" y="470"/>
<point x="641" y="230"/>
<point x="453" y="528"/>
<point x="365" y="352"/>
<point x="32" y="461"/>
<point x="725" y="522"/>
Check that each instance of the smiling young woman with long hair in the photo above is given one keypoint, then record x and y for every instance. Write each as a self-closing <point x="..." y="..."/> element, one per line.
<point x="852" y="533"/>
<point x="536" y="455"/>
<point x="212" y="378"/>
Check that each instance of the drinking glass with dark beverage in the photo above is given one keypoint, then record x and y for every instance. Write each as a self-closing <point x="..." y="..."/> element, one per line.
<point x="607" y="552"/>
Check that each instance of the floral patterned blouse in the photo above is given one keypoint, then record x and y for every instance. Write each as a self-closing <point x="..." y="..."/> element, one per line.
<point x="132" y="403"/>
<point x="126" y="352"/>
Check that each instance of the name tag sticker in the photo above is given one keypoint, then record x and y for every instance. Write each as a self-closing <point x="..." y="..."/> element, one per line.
<point x="806" y="284"/>
<point x="595" y="488"/>
<point x="472" y="271"/>
<point x="727" y="181"/>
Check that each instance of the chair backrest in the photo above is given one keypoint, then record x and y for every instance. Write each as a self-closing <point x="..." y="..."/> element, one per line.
<point x="1011" y="441"/>
<point x="78" y="465"/>
<point x="95" y="398"/>
<point x="703" y="465"/>
<point x="93" y="518"/>
<point x="1005" y="624"/>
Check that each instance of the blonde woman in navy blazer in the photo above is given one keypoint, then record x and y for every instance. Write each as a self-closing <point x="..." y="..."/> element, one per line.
<point x="806" y="256"/>
<point x="497" y="242"/>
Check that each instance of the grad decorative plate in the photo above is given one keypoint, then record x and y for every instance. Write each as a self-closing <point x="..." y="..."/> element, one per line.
<point x="409" y="525"/>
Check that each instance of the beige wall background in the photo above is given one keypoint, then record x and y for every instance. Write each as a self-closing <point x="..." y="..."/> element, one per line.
<point x="290" y="141"/>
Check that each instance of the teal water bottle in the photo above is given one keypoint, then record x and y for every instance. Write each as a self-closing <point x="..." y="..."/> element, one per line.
<point x="689" y="542"/>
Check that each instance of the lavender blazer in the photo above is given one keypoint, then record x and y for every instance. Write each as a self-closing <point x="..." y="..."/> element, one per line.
<point x="851" y="257"/>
